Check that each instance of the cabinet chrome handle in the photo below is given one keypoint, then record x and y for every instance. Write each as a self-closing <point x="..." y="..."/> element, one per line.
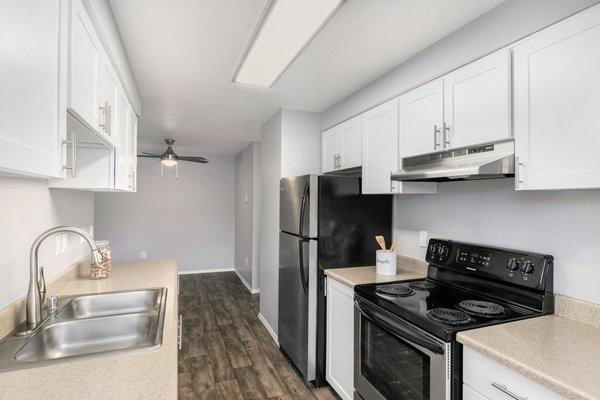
<point x="518" y="165"/>
<point x="109" y="119"/>
<point x="73" y="165"/>
<point x="103" y="125"/>
<point x="446" y="129"/>
<point x="179" y="334"/>
<point x="507" y="392"/>
<point x="436" y="130"/>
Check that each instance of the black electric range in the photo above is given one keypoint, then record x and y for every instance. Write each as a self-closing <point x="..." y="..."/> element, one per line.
<point x="405" y="332"/>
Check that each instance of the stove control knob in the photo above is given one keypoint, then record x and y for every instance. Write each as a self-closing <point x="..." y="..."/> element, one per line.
<point x="528" y="267"/>
<point x="512" y="264"/>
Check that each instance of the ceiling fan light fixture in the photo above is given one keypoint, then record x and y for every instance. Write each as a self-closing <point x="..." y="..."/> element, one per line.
<point x="169" y="160"/>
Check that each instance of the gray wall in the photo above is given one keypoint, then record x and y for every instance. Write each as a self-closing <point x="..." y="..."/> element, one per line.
<point x="562" y="223"/>
<point x="565" y="224"/>
<point x="246" y="216"/>
<point x="27" y="208"/>
<point x="190" y="219"/>
<point x="290" y="146"/>
<point x="270" y="173"/>
<point x="501" y="26"/>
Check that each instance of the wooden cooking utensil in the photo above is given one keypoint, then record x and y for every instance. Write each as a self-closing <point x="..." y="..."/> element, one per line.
<point x="395" y="244"/>
<point x="380" y="239"/>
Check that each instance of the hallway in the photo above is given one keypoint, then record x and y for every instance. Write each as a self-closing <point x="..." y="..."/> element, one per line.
<point x="227" y="353"/>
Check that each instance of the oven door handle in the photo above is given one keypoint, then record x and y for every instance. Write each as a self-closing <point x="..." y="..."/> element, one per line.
<point x="398" y="331"/>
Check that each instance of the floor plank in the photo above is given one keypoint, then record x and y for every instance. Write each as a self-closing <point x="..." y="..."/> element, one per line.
<point x="227" y="352"/>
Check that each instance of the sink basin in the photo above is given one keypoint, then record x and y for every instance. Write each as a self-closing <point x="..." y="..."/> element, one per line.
<point x="99" y="305"/>
<point x="88" y="326"/>
<point x="90" y="336"/>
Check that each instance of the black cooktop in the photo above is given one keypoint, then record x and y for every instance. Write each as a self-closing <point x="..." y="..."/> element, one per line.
<point x="439" y="308"/>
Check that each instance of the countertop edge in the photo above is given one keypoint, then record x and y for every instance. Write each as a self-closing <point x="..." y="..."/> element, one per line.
<point x="523" y="369"/>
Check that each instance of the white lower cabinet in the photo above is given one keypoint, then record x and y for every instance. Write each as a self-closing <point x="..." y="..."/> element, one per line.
<point x="485" y="378"/>
<point x="340" y="338"/>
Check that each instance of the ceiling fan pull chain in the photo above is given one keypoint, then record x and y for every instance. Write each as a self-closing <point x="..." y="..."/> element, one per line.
<point x="162" y="170"/>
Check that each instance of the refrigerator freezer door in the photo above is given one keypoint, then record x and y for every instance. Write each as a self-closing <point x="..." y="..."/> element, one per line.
<point x="293" y="299"/>
<point x="295" y="205"/>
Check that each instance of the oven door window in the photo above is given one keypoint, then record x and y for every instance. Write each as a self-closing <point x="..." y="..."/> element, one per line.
<point x="394" y="367"/>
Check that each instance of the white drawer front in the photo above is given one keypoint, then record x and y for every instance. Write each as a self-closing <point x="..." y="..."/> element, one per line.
<point x="471" y="394"/>
<point x="497" y="382"/>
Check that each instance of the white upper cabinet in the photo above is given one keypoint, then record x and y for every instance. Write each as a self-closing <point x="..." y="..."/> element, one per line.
<point x="379" y="147"/>
<point x="109" y="102"/>
<point x="331" y="148"/>
<point x="85" y="51"/>
<point x="351" y="137"/>
<point x="132" y="151"/>
<point x="421" y="113"/>
<point x="477" y="102"/>
<point x="341" y="146"/>
<point x="30" y="87"/>
<point x="121" y="125"/>
<point x="557" y="105"/>
<point x="380" y="153"/>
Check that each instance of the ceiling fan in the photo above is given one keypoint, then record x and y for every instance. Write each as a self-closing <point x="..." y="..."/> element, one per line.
<point x="169" y="158"/>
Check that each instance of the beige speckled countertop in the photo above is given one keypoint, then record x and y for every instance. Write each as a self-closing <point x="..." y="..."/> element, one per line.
<point x="557" y="351"/>
<point x="137" y="375"/>
<point x="407" y="268"/>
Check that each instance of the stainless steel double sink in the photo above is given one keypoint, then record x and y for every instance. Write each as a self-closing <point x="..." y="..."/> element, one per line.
<point x="90" y="325"/>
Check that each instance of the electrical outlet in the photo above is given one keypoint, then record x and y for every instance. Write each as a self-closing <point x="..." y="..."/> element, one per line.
<point x="245" y="199"/>
<point x="246" y="261"/>
<point x="65" y="243"/>
<point x="423" y="238"/>
<point x="143" y="254"/>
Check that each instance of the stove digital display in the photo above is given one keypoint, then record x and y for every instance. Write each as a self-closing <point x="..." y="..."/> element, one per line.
<point x="471" y="258"/>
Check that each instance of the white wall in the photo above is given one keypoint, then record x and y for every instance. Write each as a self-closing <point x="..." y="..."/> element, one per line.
<point x="564" y="224"/>
<point x="270" y="172"/>
<point x="246" y="244"/>
<point x="27" y="208"/>
<point x="190" y="219"/>
<point x="290" y="146"/>
<point x="504" y="24"/>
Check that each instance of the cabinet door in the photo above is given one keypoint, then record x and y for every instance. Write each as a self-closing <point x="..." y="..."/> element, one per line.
<point x="557" y="103"/>
<point x="84" y="65"/>
<point x="421" y="113"/>
<point x="340" y="338"/>
<point x="379" y="147"/>
<point x="30" y="85"/>
<point x="108" y="98"/>
<point x="477" y="102"/>
<point x="351" y="138"/>
<point x="330" y="149"/>
<point x="122" y="151"/>
<point x="132" y="148"/>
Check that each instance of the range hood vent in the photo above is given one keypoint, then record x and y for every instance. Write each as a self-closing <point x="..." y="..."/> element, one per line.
<point x="488" y="161"/>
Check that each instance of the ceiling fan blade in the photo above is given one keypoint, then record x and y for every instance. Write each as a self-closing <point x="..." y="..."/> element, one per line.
<point x="149" y="155"/>
<point x="194" y="159"/>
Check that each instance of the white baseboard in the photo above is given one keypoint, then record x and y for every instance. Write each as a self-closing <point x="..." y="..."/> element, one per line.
<point x="253" y="291"/>
<point x="269" y="329"/>
<point x="205" y="271"/>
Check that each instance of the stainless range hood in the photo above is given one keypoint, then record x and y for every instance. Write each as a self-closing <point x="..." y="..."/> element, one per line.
<point x="488" y="161"/>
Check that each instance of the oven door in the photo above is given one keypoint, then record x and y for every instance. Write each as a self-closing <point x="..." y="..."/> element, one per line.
<point x="394" y="359"/>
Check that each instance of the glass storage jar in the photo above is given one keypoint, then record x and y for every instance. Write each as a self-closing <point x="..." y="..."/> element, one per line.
<point x="100" y="271"/>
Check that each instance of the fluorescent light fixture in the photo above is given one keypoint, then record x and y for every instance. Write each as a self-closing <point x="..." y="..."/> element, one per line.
<point x="284" y="30"/>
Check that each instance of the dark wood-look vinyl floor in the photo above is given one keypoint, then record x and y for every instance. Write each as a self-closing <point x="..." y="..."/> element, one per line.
<point x="227" y="353"/>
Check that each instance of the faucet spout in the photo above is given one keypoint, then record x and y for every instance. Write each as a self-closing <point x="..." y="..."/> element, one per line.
<point x="34" y="298"/>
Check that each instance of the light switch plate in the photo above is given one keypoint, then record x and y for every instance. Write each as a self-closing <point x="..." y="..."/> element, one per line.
<point x="143" y="254"/>
<point x="423" y="238"/>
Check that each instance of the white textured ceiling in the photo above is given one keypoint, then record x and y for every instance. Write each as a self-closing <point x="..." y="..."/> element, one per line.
<point x="183" y="54"/>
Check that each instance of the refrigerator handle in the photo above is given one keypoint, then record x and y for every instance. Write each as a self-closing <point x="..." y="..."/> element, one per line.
<point x="305" y="196"/>
<point x="303" y="277"/>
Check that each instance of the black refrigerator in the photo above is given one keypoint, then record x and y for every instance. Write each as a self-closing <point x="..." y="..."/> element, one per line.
<point x="325" y="222"/>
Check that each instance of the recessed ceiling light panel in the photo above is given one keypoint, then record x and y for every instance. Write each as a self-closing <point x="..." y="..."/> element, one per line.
<point x="285" y="29"/>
